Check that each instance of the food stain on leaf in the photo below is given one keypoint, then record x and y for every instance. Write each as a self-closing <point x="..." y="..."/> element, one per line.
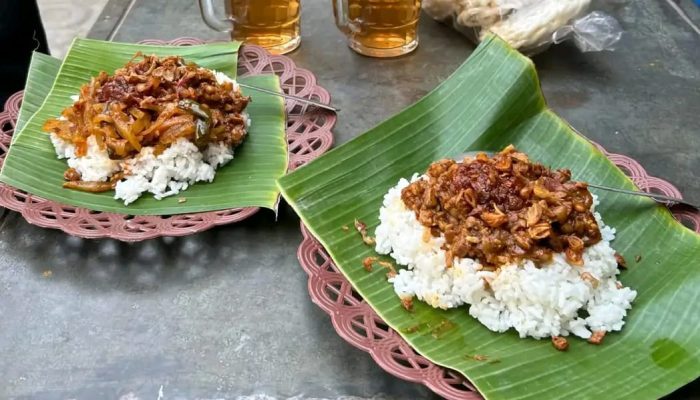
<point x="444" y="326"/>
<point x="389" y="267"/>
<point x="413" y="328"/>
<point x="361" y="227"/>
<point x="437" y="329"/>
<point x="367" y="263"/>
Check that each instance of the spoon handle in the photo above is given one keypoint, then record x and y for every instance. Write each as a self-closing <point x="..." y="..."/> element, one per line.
<point x="289" y="96"/>
<point x="645" y="194"/>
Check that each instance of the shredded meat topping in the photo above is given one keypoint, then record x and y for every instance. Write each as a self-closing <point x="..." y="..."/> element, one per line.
<point x="152" y="102"/>
<point x="504" y="209"/>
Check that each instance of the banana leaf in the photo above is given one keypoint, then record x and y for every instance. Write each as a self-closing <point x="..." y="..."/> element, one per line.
<point x="42" y="73"/>
<point x="247" y="181"/>
<point x="492" y="100"/>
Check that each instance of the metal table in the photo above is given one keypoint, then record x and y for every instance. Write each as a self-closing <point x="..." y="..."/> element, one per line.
<point x="185" y="316"/>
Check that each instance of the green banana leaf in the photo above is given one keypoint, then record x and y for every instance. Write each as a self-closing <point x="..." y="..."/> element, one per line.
<point x="247" y="181"/>
<point x="492" y="100"/>
<point x="42" y="72"/>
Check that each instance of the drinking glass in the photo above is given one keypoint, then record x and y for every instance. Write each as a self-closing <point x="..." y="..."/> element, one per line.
<point x="272" y="24"/>
<point x="379" y="28"/>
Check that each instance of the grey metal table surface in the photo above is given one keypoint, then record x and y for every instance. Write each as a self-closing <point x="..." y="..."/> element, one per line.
<point x="190" y="316"/>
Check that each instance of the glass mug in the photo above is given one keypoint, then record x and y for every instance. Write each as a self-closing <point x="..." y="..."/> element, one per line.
<point x="272" y="24"/>
<point x="379" y="28"/>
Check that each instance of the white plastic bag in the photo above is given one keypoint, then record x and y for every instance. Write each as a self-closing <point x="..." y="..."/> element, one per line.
<point x="530" y="25"/>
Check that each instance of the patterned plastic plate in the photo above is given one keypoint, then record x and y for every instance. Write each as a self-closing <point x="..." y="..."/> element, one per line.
<point x="357" y="323"/>
<point x="308" y="136"/>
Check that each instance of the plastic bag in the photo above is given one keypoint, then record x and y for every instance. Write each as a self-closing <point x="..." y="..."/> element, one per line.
<point x="531" y="25"/>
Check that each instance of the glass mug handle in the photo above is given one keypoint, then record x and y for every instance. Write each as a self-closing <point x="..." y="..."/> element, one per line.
<point x="340" y="11"/>
<point x="209" y="16"/>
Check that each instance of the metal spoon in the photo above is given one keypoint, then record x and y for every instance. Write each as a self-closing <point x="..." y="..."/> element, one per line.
<point x="286" y="96"/>
<point x="289" y="96"/>
<point x="654" y="196"/>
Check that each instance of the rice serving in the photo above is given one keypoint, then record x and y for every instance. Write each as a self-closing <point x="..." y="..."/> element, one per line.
<point x="169" y="160"/>
<point x="540" y="301"/>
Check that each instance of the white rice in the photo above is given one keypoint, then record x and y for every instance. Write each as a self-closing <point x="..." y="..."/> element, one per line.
<point x="172" y="171"/>
<point x="536" y="302"/>
<point x="93" y="166"/>
<point x="169" y="173"/>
